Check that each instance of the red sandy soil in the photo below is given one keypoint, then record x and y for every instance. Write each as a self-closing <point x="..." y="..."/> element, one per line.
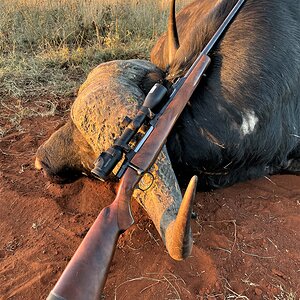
<point x="246" y="237"/>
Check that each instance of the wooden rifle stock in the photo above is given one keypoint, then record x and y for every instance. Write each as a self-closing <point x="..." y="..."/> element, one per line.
<point x="85" y="275"/>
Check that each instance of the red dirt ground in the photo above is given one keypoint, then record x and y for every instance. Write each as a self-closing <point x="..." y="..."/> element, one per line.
<point x="246" y="237"/>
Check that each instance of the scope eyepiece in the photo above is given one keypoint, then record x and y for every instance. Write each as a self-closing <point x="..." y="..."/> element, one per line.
<point x="106" y="162"/>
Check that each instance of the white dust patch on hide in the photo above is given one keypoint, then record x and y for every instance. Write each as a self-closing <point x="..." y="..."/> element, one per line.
<point x="249" y="122"/>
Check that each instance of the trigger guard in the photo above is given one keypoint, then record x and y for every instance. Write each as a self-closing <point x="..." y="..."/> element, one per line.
<point x="144" y="185"/>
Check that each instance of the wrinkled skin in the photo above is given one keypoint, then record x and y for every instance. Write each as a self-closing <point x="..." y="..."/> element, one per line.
<point x="103" y="102"/>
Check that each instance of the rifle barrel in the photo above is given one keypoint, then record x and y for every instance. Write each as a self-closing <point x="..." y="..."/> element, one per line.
<point x="218" y="33"/>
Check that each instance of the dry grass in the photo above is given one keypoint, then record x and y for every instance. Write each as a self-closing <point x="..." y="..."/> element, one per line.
<point x="31" y="25"/>
<point x="47" y="47"/>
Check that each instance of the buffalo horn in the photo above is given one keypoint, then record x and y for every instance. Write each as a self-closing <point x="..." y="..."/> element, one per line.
<point x="173" y="41"/>
<point x="178" y="234"/>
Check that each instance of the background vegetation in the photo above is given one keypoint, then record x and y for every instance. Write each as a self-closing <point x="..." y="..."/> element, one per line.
<point x="48" y="46"/>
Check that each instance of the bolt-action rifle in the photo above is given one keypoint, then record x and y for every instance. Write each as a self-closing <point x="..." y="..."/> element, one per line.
<point x="85" y="275"/>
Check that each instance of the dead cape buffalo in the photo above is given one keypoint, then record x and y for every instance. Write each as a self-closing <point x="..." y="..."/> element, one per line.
<point x="242" y="122"/>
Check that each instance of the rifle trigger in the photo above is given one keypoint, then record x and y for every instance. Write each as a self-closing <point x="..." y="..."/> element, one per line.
<point x="146" y="182"/>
